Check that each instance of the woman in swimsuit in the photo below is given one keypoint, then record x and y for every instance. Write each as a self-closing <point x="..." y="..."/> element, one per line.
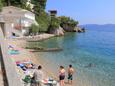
<point x="61" y="75"/>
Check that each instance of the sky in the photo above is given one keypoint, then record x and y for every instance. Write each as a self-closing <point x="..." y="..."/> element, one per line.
<point x="85" y="11"/>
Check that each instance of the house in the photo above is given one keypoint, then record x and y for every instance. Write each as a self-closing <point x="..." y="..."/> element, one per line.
<point x="17" y="20"/>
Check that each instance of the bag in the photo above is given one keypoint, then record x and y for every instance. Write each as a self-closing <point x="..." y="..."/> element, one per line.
<point x="27" y="79"/>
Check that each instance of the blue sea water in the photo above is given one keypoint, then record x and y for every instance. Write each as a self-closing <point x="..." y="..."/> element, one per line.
<point x="92" y="54"/>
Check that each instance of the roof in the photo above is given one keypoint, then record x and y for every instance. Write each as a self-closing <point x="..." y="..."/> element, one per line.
<point x="15" y="9"/>
<point x="11" y="13"/>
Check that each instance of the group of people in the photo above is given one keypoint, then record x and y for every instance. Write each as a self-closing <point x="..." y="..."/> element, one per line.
<point x="62" y="75"/>
<point x="38" y="75"/>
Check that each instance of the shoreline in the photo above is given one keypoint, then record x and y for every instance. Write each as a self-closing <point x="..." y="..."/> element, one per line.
<point x="25" y="54"/>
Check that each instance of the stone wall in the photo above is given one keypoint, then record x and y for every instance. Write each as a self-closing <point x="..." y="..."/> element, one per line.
<point x="9" y="67"/>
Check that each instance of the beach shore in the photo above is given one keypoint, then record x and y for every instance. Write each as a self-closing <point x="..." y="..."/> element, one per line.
<point x="26" y="55"/>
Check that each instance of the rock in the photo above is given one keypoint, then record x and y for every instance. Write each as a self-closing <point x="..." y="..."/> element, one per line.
<point x="73" y="29"/>
<point x="78" y="29"/>
<point x="58" y="31"/>
<point x="68" y="28"/>
<point x="83" y="29"/>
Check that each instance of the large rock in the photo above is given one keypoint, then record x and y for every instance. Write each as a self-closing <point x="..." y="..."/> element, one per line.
<point x="57" y="31"/>
<point x="78" y="29"/>
<point x="68" y="28"/>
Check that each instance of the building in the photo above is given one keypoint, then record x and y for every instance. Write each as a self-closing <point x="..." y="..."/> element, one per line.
<point x="53" y="12"/>
<point x="17" y="20"/>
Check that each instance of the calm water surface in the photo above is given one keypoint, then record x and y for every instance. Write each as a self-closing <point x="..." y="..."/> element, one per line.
<point x="92" y="54"/>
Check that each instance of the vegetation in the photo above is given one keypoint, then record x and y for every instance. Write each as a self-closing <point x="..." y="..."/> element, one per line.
<point x="34" y="29"/>
<point x="54" y="26"/>
<point x="17" y="3"/>
<point x="42" y="17"/>
<point x="55" y="23"/>
<point x="40" y="3"/>
<point x="67" y="21"/>
<point x="0" y="5"/>
<point x="44" y="20"/>
<point x="11" y="2"/>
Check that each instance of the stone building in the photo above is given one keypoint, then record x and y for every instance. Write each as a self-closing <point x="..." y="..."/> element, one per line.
<point x="17" y="20"/>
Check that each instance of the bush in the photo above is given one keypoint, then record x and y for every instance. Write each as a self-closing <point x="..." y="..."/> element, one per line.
<point x="55" y="23"/>
<point x="33" y="29"/>
<point x="44" y="21"/>
<point x="67" y="21"/>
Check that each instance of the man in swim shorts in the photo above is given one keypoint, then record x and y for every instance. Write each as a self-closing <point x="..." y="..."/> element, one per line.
<point x="70" y="74"/>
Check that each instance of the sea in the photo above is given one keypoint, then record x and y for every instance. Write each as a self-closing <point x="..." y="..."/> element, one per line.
<point x="92" y="55"/>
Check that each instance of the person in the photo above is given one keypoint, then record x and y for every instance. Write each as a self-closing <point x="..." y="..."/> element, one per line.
<point x="61" y="75"/>
<point x="90" y="65"/>
<point x="70" y="74"/>
<point x="38" y="76"/>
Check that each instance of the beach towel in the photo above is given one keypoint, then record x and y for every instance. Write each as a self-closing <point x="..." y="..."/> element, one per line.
<point x="13" y="52"/>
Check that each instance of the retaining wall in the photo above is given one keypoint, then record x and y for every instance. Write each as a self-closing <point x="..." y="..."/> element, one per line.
<point x="8" y="66"/>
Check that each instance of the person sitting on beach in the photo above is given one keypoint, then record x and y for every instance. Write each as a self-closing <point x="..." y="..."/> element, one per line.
<point x="61" y="75"/>
<point x="29" y="66"/>
<point x="70" y="74"/>
<point x="38" y="76"/>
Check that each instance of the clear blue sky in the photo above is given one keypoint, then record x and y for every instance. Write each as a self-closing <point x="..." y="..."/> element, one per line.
<point x="85" y="11"/>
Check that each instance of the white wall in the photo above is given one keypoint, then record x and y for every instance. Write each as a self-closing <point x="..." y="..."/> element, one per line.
<point x="30" y="16"/>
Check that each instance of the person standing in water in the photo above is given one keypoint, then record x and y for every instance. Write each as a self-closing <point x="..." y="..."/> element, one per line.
<point x="61" y="75"/>
<point x="70" y="74"/>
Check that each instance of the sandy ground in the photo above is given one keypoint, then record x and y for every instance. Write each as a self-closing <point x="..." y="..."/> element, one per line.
<point x="27" y="55"/>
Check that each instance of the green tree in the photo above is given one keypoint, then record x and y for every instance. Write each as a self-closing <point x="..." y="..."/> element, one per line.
<point x="37" y="9"/>
<point x="41" y="3"/>
<point x="17" y="3"/>
<point x="34" y="29"/>
<point x="67" y="21"/>
<point x="43" y="20"/>
<point x="55" y="23"/>
<point x="42" y="17"/>
<point x="3" y="2"/>
<point x="23" y="4"/>
<point x="1" y="5"/>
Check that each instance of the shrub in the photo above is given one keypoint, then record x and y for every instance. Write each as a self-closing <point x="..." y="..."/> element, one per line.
<point x="33" y="29"/>
<point x="44" y="21"/>
<point x="67" y="21"/>
<point x="55" y="23"/>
